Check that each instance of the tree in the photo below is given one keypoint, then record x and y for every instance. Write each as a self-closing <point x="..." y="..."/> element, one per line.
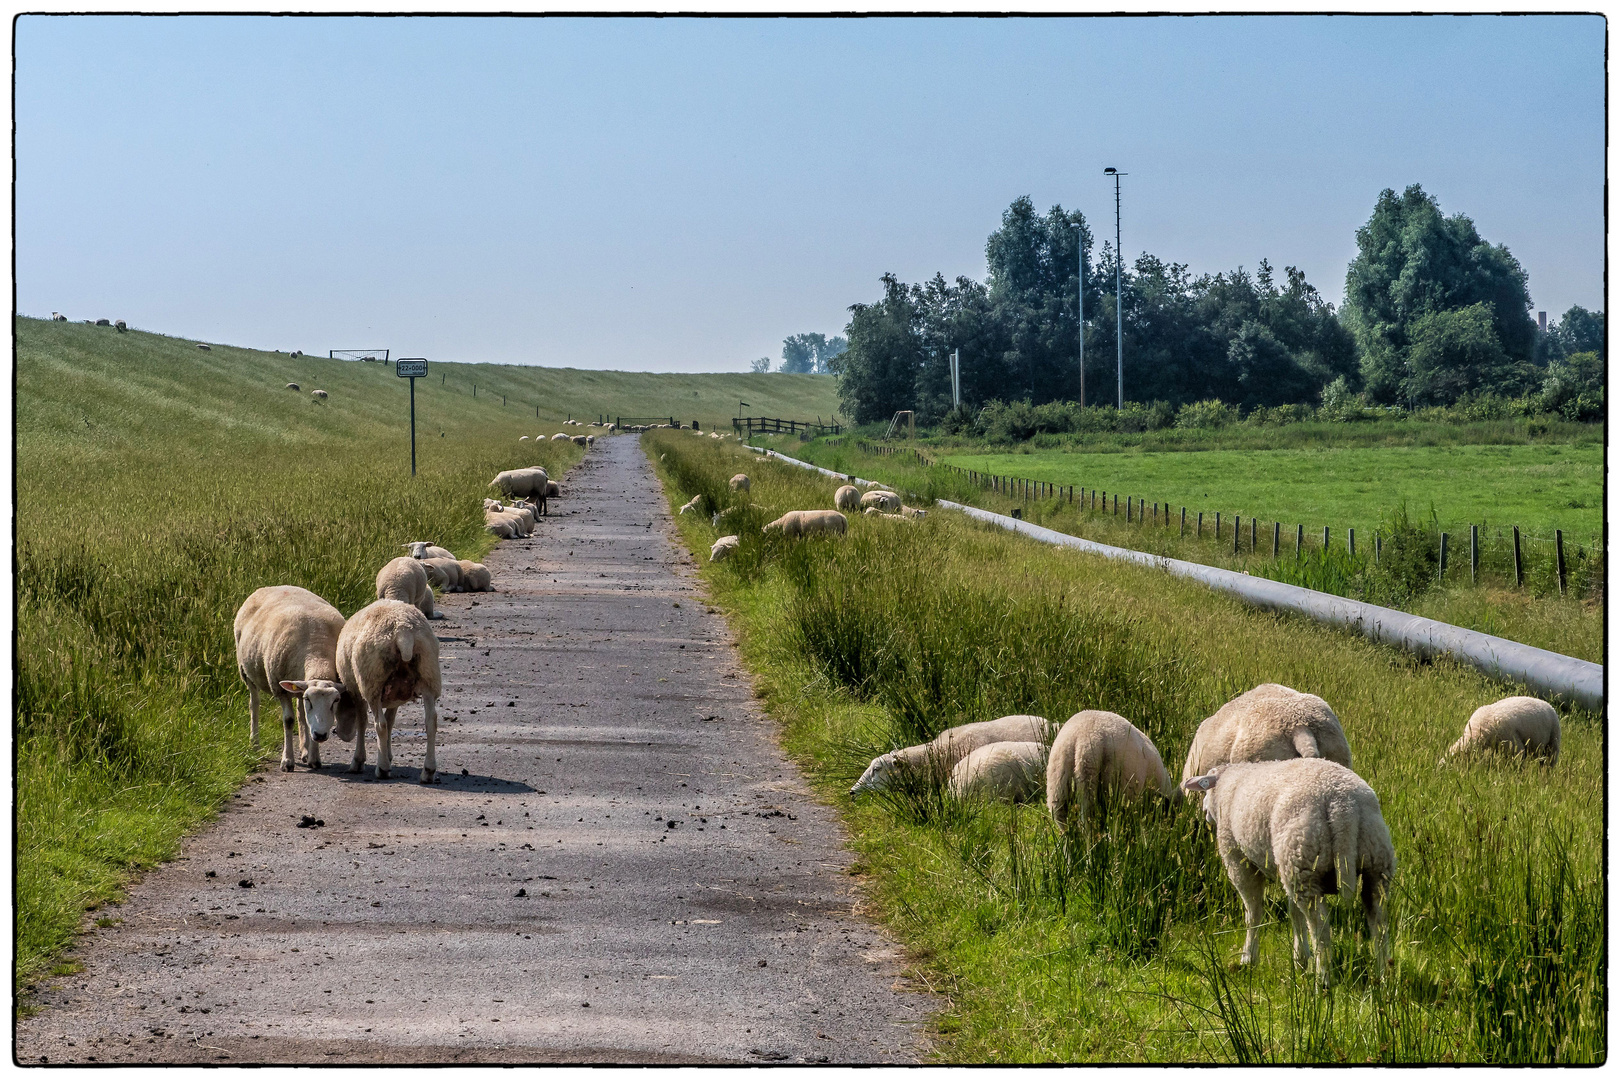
<point x="1456" y="352"/>
<point x="1574" y="386"/>
<point x="1580" y="331"/>
<point x="810" y="354"/>
<point x="761" y="366"/>
<point x="877" y="375"/>
<point x="1032" y="261"/>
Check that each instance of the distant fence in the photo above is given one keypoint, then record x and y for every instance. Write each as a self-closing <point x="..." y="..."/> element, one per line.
<point x="769" y="425"/>
<point x="624" y="421"/>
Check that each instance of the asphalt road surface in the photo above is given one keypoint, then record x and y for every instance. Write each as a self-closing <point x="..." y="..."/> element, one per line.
<point x="618" y="864"/>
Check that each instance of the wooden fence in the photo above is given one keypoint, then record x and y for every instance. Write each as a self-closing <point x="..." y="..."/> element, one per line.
<point x="770" y="425"/>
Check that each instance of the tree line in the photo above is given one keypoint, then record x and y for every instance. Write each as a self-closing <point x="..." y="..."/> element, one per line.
<point x="1433" y="315"/>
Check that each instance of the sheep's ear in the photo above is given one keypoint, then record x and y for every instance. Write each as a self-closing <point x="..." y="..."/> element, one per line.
<point x="1200" y="783"/>
<point x="294" y="686"/>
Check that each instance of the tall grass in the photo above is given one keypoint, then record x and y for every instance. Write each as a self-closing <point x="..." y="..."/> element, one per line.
<point x="1115" y="941"/>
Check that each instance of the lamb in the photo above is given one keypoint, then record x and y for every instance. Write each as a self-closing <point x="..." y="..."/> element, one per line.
<point x="286" y="646"/>
<point x="724" y="548"/>
<point x="1097" y="749"/>
<point x="1312" y="825"/>
<point x="404" y="579"/>
<point x="912" y="512"/>
<point x="872" y="511"/>
<point x="695" y="503"/>
<point x="847" y="497"/>
<point x="443" y="574"/>
<point x="387" y="655"/>
<point x="810" y="523"/>
<point x="1268" y="723"/>
<point x="427" y="549"/>
<point x="886" y="501"/>
<point x="293" y="386"/>
<point x="475" y="577"/>
<point x="1514" y="725"/>
<point x="318" y="395"/>
<point x="739" y="482"/>
<point x="950" y="746"/>
<point x="506" y="525"/>
<point x="1009" y="771"/>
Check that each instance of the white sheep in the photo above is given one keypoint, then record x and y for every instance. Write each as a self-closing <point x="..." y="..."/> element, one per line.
<point x="847" y="497"/>
<point x="1514" y="725"/>
<point x="694" y="504"/>
<point x="724" y="548"/>
<point x="912" y="512"/>
<point x="523" y="438"/>
<point x="1312" y="825"/>
<point x="119" y="326"/>
<point x="205" y="348"/>
<point x="874" y="512"/>
<point x="404" y="579"/>
<point x="57" y="316"/>
<point x="286" y="646"/>
<point x="318" y="395"/>
<point x="940" y="756"/>
<point x="1269" y="723"/>
<point x="521" y="482"/>
<point x="524" y="512"/>
<point x="809" y="523"/>
<point x="559" y="435"/>
<point x="427" y="549"/>
<point x="739" y="482"/>
<point x="475" y="577"/>
<point x="388" y="657"/>
<point x="579" y="440"/>
<point x="590" y="440"/>
<point x="886" y="501"/>
<point x="293" y="386"/>
<point x="1007" y="771"/>
<point x="443" y="574"/>
<point x="504" y="525"/>
<point x="1098" y="749"/>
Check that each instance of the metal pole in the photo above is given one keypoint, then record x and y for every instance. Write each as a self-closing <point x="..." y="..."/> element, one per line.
<point x="413" y="425"/>
<point x="1080" y="305"/>
<point x="1119" y="293"/>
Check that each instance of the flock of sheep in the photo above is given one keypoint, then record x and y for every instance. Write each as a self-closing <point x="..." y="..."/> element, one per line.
<point x="797" y="523"/>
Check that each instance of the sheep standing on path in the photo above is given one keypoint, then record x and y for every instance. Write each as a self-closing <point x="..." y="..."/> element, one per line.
<point x="937" y="759"/>
<point x="1098" y="749"/>
<point x="1514" y="725"/>
<point x="810" y="523"/>
<point x="847" y="497"/>
<point x="388" y="657"/>
<point x="1315" y="827"/>
<point x="403" y="579"/>
<point x="286" y="646"/>
<point x="1269" y="723"/>
<point x="1003" y="771"/>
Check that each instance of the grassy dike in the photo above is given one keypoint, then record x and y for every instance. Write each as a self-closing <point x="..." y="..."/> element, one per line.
<point x="158" y="486"/>
<point x="1115" y="944"/>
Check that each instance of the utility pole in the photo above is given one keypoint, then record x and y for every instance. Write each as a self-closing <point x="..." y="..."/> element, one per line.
<point x="1119" y="292"/>
<point x="956" y="378"/>
<point x="1080" y="303"/>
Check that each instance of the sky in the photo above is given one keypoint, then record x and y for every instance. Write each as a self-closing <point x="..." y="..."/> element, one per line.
<point x="682" y="194"/>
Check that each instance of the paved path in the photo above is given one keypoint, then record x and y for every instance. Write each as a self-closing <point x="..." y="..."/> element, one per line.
<point x="619" y="864"/>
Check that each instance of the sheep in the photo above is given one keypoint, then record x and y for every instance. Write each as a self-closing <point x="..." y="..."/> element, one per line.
<point x="557" y="436"/>
<point x="695" y="503"/>
<point x="1312" y="825"/>
<point x="443" y="574"/>
<point x="318" y="395"/>
<point x="504" y="525"/>
<point x="427" y="549"/>
<point x="886" y="501"/>
<point x="739" y="482"/>
<point x="57" y="316"/>
<point x="523" y="438"/>
<point x="579" y="440"/>
<point x="205" y="348"/>
<point x="590" y="440"/>
<point x="1097" y="749"/>
<point x="912" y="512"/>
<point x="103" y="322"/>
<point x="293" y="386"/>
<point x="724" y="548"/>
<point x="521" y="482"/>
<point x="286" y="646"/>
<point x="1514" y="725"/>
<point x="1268" y="723"/>
<point x="1009" y="771"/>
<point x="872" y="511"/>
<point x="387" y="655"/>
<point x="475" y="577"/>
<point x="950" y="746"/>
<point x="810" y="523"/>
<point x="120" y="327"/>
<point x="524" y="512"/>
<point x="847" y="497"/>
<point x="404" y="579"/>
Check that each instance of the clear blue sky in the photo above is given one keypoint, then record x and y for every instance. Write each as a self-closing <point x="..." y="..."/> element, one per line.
<point x="681" y="194"/>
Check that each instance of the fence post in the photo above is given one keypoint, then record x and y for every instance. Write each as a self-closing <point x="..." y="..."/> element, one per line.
<point x="1252" y="527"/>
<point x="1473" y="554"/>
<point x="1378" y="546"/>
<point x="1518" y="560"/>
<point x="1237" y="532"/>
<point x="1127" y="509"/>
<point x="1299" y="540"/>
<point x="1276" y="537"/>
<point x="1563" y="579"/>
<point x="1443" y="539"/>
<point x="1352" y="535"/>
<point x="1217" y="524"/>
<point x="1324" y="539"/>
<point x="1200" y="534"/>
<point x="1183" y="521"/>
<point x="1116" y="504"/>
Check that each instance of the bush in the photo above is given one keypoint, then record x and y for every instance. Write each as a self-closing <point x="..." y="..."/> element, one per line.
<point x="1213" y="413"/>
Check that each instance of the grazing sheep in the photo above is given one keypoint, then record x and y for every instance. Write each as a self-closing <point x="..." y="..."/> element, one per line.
<point x="204" y="348"/>
<point x="119" y="326"/>
<point x="579" y="440"/>
<point x="1315" y="827"/>
<point x="810" y="523"/>
<point x="293" y="386"/>
<point x="553" y="491"/>
<point x="103" y="322"/>
<point x="443" y="574"/>
<point x="318" y="395"/>
<point x="404" y="579"/>
<point x="886" y="501"/>
<point x="296" y="353"/>
<point x="590" y="440"/>
<point x="912" y="512"/>
<point x="847" y="497"/>
<point x="523" y="438"/>
<point x="1268" y="723"/>
<point x="723" y="548"/>
<point x="950" y="746"/>
<point x="1097" y="749"/>
<point x="57" y="316"/>
<point x="739" y="482"/>
<point x="286" y="646"/>
<point x="388" y="657"/>
<point x="426" y="549"/>
<point x="557" y="436"/>
<point x="695" y="503"/>
<point x="475" y="577"/>
<point x="521" y="482"/>
<point x="1005" y="771"/>
<point x="1514" y="725"/>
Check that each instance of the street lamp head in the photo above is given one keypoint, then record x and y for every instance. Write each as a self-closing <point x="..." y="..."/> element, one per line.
<point x="1110" y="171"/>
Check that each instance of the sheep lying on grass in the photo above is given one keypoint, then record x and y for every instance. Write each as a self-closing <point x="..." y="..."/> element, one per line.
<point x="403" y="579"/>
<point x="475" y="577"/>
<point x="426" y="549"/>
<point x="443" y="574"/>
<point x="739" y="482"/>
<point x="1003" y="771"/>
<point x="937" y="759"/>
<point x="847" y="497"/>
<point x="1268" y="723"/>
<point x="1097" y="749"/>
<point x="886" y="501"/>
<point x="286" y="646"/>
<point x="874" y="512"/>
<point x="388" y="657"/>
<point x="1315" y="827"/>
<point x="810" y="523"/>
<point x="724" y="548"/>
<point x="1514" y="725"/>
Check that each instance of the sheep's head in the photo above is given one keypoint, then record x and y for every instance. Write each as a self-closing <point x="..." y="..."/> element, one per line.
<point x="877" y="775"/>
<point x="323" y="706"/>
<point x="1203" y="785"/>
<point x="418" y="548"/>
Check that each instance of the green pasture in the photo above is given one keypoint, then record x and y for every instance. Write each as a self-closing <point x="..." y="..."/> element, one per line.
<point x="1115" y="941"/>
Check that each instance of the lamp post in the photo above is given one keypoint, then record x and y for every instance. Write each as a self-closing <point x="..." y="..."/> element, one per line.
<point x="1119" y="308"/>
<point x="1080" y="302"/>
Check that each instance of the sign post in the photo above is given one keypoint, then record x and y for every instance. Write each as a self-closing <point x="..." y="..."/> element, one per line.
<point x="412" y="368"/>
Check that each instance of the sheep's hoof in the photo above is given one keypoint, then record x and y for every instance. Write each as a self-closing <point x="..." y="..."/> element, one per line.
<point x="356" y="767"/>
<point x="286" y="766"/>
<point x="383" y="774"/>
<point x="427" y="776"/>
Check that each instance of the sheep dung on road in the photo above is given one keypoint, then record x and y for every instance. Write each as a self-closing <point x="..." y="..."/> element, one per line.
<point x="739" y="482"/>
<point x="937" y="759"/>
<point x="847" y="497"/>
<point x="810" y="523"/>
<point x="403" y="579"/>
<point x="388" y="657"/>
<point x="1269" y="723"/>
<point x="286" y="646"/>
<point x="1004" y="771"/>
<point x="723" y="548"/>
<point x="475" y="577"/>
<point x="1312" y="825"/>
<point x="1098" y="749"/>
<point x="426" y="549"/>
<point x="886" y="501"/>
<point x="1514" y="725"/>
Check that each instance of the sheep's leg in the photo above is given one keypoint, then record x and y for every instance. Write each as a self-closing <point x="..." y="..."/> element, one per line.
<point x="289" y="729"/>
<point x="312" y="749"/>
<point x="361" y="708"/>
<point x="1322" y="938"/>
<point x="253" y="714"/>
<point x="1251" y="886"/>
<point x="385" y="743"/>
<point x="1302" y="943"/>
<point x="430" y="709"/>
<point x="1372" y="902"/>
